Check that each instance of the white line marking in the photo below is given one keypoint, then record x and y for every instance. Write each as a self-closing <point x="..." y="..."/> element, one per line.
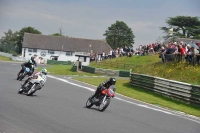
<point x="145" y="106"/>
<point x="141" y="105"/>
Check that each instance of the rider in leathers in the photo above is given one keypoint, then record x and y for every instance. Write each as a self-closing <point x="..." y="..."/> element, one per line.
<point x="104" y="85"/>
<point x="43" y="71"/>
<point x="29" y="65"/>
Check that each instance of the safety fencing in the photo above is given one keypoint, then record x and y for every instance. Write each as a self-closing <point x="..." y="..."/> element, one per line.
<point x="106" y="71"/>
<point x="55" y="62"/>
<point x="192" y="59"/>
<point x="176" y="90"/>
<point x="74" y="68"/>
<point x="115" y="64"/>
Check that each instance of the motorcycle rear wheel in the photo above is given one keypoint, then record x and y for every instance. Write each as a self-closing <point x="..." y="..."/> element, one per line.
<point x="104" y="105"/>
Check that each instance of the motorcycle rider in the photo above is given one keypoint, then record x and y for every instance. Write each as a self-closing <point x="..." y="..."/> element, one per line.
<point x="33" y="60"/>
<point x="43" y="71"/>
<point x="29" y="65"/>
<point x="104" y="85"/>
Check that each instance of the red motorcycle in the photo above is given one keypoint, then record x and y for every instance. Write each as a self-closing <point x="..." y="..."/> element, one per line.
<point x="103" y="99"/>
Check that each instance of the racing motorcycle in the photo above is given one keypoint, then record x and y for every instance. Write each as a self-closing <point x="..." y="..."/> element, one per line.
<point x="23" y="74"/>
<point x="103" y="99"/>
<point x="35" y="82"/>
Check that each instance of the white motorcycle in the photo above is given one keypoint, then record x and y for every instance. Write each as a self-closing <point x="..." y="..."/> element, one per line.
<point x="35" y="82"/>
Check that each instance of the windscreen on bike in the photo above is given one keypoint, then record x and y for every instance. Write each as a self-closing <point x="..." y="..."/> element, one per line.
<point x="112" y="87"/>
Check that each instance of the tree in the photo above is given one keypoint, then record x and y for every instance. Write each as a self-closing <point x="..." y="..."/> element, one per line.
<point x="57" y="34"/>
<point x="15" y="39"/>
<point x="183" y="26"/>
<point x="9" y="38"/>
<point x="119" y="35"/>
<point x="21" y="35"/>
<point x="60" y="32"/>
<point x="9" y="42"/>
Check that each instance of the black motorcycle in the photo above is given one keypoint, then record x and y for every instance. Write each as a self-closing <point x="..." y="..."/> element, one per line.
<point x="22" y="74"/>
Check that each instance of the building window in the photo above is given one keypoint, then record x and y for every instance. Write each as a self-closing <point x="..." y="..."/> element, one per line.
<point x="34" y="50"/>
<point x="50" y="52"/>
<point x="30" y="50"/>
<point x="68" y="53"/>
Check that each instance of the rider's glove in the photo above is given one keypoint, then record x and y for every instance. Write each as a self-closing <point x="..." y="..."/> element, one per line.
<point x="30" y="77"/>
<point x="103" y="88"/>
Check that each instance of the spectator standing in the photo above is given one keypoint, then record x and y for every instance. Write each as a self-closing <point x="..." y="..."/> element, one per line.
<point x="96" y="57"/>
<point x="162" y="52"/>
<point x="170" y="53"/>
<point x="103" y="55"/>
<point x="181" y="52"/>
<point x="110" y="54"/>
<point x="188" y="56"/>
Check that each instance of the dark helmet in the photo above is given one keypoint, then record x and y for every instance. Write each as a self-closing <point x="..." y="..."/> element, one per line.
<point x="32" y="58"/>
<point x="112" y="81"/>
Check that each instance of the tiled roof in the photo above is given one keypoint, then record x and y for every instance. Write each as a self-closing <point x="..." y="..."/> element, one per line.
<point x="59" y="43"/>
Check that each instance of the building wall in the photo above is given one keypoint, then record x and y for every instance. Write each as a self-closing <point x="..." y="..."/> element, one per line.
<point x="45" y="55"/>
<point x="87" y="62"/>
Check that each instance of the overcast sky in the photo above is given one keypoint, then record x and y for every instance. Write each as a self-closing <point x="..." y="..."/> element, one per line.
<point x="90" y="18"/>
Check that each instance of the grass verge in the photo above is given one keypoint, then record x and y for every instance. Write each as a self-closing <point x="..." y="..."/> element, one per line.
<point x="3" y="58"/>
<point x="152" y="65"/>
<point x="124" y="88"/>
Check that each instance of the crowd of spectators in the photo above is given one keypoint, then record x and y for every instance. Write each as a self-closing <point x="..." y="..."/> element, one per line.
<point x="168" y="51"/>
<point x="148" y="49"/>
<point x="119" y="52"/>
<point x="180" y="51"/>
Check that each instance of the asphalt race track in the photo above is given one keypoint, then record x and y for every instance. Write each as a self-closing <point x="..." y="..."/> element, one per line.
<point x="59" y="107"/>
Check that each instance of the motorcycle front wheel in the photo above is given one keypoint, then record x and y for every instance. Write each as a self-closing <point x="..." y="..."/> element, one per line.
<point x="88" y="103"/>
<point x="32" y="90"/>
<point x="104" y="105"/>
<point x="19" y="76"/>
<point x="20" y="91"/>
<point x="22" y="76"/>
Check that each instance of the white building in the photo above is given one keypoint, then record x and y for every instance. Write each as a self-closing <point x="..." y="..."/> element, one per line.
<point x="60" y="48"/>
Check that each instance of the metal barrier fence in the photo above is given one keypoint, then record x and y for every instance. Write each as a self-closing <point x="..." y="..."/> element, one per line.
<point x="181" y="91"/>
<point x="115" y="65"/>
<point x="106" y="71"/>
<point x="194" y="59"/>
<point x="59" y="62"/>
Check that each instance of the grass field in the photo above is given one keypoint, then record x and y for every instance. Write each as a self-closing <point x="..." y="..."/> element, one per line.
<point x="152" y="65"/>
